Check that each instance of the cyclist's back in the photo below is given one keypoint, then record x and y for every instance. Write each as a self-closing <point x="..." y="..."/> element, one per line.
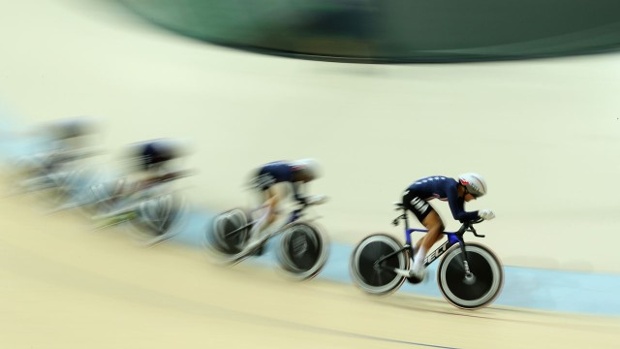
<point x="434" y="187"/>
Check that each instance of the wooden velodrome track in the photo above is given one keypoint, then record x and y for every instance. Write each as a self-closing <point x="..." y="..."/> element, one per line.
<point x="63" y="285"/>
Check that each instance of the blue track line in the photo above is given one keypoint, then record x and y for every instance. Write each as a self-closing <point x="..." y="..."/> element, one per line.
<point x="542" y="289"/>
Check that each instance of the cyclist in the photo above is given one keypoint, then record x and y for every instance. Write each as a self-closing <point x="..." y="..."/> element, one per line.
<point x="151" y="164"/>
<point x="65" y="142"/>
<point x="269" y="180"/>
<point x="70" y="139"/>
<point x="467" y="187"/>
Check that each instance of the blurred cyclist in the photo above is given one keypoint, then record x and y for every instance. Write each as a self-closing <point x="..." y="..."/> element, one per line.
<point x="70" y="140"/>
<point x="467" y="187"/>
<point x="64" y="142"/>
<point x="151" y="163"/>
<point x="273" y="180"/>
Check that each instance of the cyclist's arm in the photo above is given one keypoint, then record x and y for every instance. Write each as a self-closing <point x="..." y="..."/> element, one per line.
<point x="297" y="191"/>
<point x="159" y="179"/>
<point x="457" y="207"/>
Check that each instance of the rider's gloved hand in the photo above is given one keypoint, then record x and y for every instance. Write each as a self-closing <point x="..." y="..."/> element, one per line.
<point x="486" y="214"/>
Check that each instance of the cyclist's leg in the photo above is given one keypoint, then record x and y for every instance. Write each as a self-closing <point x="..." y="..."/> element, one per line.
<point x="261" y="231"/>
<point x="427" y="215"/>
<point x="270" y="201"/>
<point x="435" y="227"/>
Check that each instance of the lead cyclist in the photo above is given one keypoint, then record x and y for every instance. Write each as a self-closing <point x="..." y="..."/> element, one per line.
<point x="467" y="187"/>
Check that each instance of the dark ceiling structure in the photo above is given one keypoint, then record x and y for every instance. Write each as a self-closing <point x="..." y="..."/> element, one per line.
<point x="395" y="31"/>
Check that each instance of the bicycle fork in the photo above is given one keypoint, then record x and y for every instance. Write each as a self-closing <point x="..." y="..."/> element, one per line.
<point x="469" y="278"/>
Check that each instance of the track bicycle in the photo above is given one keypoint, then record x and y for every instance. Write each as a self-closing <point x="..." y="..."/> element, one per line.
<point x="303" y="247"/>
<point x="469" y="275"/>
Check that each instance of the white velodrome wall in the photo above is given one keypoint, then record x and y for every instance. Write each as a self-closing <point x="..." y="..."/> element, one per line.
<point x="545" y="133"/>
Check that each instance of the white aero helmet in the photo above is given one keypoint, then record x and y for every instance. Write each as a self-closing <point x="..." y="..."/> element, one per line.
<point x="309" y="166"/>
<point x="474" y="183"/>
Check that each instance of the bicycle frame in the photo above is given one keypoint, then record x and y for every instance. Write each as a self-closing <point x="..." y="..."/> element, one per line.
<point x="131" y="201"/>
<point x="294" y="216"/>
<point x="452" y="238"/>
